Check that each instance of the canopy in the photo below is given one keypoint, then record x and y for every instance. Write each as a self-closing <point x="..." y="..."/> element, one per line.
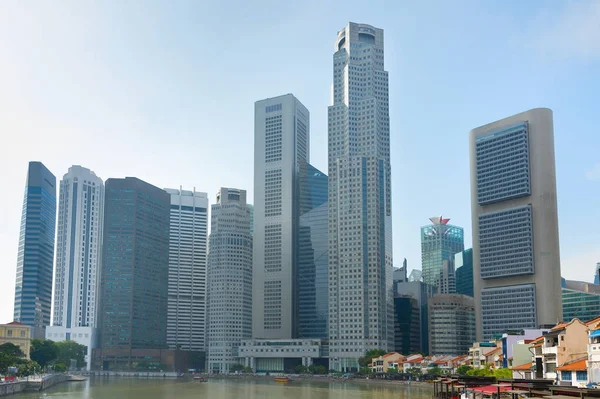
<point x="490" y="389"/>
<point x="595" y="334"/>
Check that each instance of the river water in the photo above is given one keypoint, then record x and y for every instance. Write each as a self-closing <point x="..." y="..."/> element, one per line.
<point x="99" y="388"/>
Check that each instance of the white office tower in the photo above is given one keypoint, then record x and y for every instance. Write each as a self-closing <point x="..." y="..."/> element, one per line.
<point x="229" y="279"/>
<point x="516" y="259"/>
<point x="281" y="145"/>
<point x="360" y="214"/>
<point x="186" y="312"/>
<point x="78" y="253"/>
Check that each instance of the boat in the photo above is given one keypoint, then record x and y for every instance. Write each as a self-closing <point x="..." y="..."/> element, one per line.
<point x="200" y="379"/>
<point x="282" y="379"/>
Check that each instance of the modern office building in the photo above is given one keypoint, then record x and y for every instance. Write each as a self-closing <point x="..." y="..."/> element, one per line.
<point x="516" y="260"/>
<point x="463" y="264"/>
<point x="78" y="256"/>
<point x="446" y="280"/>
<point x="135" y="270"/>
<point x="281" y="147"/>
<point x="580" y="300"/>
<point x="229" y="279"/>
<point x="33" y="286"/>
<point x="312" y="306"/>
<point x="188" y="246"/>
<point x="401" y="273"/>
<point x="361" y="300"/>
<point x="597" y="274"/>
<point x="421" y="293"/>
<point x="407" y="325"/>
<point x="451" y="324"/>
<point x="439" y="242"/>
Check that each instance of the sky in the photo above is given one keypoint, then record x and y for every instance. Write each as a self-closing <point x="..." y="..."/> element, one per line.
<point x="165" y="91"/>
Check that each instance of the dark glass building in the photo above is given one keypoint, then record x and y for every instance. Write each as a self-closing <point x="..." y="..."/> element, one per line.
<point x="135" y="264"/>
<point x="33" y="286"/>
<point x="312" y="252"/>
<point x="407" y="325"/>
<point x="463" y="261"/>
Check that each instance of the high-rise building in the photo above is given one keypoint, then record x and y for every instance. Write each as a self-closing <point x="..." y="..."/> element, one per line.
<point x="451" y="324"/>
<point x="135" y="270"/>
<point x="312" y="303"/>
<point x="281" y="147"/>
<point x="463" y="263"/>
<point x="407" y="325"/>
<point x="186" y="315"/>
<point x="446" y="280"/>
<point x="439" y="242"/>
<point x="516" y="260"/>
<point x="580" y="300"/>
<point x="361" y="299"/>
<point x="33" y="286"/>
<point x="78" y="255"/>
<point x="229" y="279"/>
<point x="401" y="273"/>
<point x="421" y="293"/>
<point x="597" y="274"/>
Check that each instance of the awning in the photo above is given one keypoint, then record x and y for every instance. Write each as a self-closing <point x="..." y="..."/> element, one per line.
<point x="490" y="389"/>
<point x="595" y="334"/>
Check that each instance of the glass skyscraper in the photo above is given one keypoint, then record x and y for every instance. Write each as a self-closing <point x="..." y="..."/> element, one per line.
<point x="33" y="286"/>
<point x="463" y="263"/>
<point x="361" y="299"/>
<point x="135" y="267"/>
<point x="312" y="279"/>
<point x="439" y="242"/>
<point x="580" y="300"/>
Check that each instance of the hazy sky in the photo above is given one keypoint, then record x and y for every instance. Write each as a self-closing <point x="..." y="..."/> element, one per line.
<point x="165" y="91"/>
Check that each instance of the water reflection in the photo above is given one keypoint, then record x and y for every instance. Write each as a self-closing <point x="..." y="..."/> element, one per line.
<point x="103" y="388"/>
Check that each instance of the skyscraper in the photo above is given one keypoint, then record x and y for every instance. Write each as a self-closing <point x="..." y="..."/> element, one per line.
<point x="281" y="149"/>
<point x="463" y="263"/>
<point x="229" y="279"/>
<point x="451" y="324"/>
<point x="33" y="286"/>
<point x="135" y="268"/>
<point x="439" y="242"/>
<point x="361" y="302"/>
<point x="78" y="255"/>
<point x="186" y="316"/>
<point x="516" y="260"/>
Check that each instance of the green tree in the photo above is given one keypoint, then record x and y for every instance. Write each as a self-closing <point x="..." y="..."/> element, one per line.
<point x="236" y="367"/>
<point x="502" y="373"/>
<point x="71" y="350"/>
<point x="43" y="351"/>
<point x="370" y="355"/>
<point x="392" y="370"/>
<point x="463" y="369"/>
<point x="59" y="368"/>
<point x="365" y="371"/>
<point x="435" y="370"/>
<point x="300" y="369"/>
<point x="315" y="369"/>
<point x="27" y="368"/>
<point x="247" y="369"/>
<point x="11" y="350"/>
<point x="414" y="372"/>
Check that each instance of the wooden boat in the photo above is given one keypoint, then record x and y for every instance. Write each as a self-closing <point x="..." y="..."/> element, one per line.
<point x="200" y="379"/>
<point x="282" y="379"/>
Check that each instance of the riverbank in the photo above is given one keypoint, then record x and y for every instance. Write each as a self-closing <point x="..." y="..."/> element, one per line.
<point x="32" y="384"/>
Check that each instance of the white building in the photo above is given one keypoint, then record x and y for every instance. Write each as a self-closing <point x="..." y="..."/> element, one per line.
<point x="360" y="230"/>
<point x="229" y="279"/>
<point x="281" y="146"/>
<point x="280" y="355"/>
<point x="516" y="257"/>
<point x="78" y="253"/>
<point x="186" y="314"/>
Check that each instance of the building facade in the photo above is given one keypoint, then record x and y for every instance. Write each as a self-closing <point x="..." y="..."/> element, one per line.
<point x="463" y="264"/>
<point x="135" y="269"/>
<point x="422" y="293"/>
<point x="280" y="355"/>
<point x="18" y="334"/>
<point x="407" y="325"/>
<point x="78" y="256"/>
<point x="580" y="300"/>
<point x="188" y="246"/>
<point x="281" y="148"/>
<point x="361" y="301"/>
<point x="33" y="286"/>
<point x="516" y="259"/>
<point x="229" y="279"/>
<point x="451" y="324"/>
<point x="439" y="242"/>
<point x="446" y="280"/>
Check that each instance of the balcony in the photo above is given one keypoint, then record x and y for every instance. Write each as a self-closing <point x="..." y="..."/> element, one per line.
<point x="594" y="352"/>
<point x="550" y="351"/>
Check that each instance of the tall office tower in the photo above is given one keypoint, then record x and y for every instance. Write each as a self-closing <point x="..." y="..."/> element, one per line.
<point x="312" y="299"/>
<point x="446" y="281"/>
<point x="361" y="300"/>
<point x="135" y="270"/>
<point x="439" y="242"/>
<point x="229" y="279"/>
<point x="422" y="293"/>
<point x="463" y="264"/>
<point x="33" y="286"/>
<point x="580" y="300"/>
<point x="186" y="315"/>
<point x="281" y="148"/>
<point x="597" y="275"/>
<point x="451" y="324"/>
<point x="516" y="262"/>
<point x="78" y="254"/>
<point x="407" y="325"/>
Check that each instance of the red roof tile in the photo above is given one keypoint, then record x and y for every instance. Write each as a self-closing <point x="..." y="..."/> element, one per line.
<point x="577" y="365"/>
<point x="16" y="323"/>
<point x="526" y="366"/>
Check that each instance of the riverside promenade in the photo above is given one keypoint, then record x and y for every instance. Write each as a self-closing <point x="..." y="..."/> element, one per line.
<point x="32" y="384"/>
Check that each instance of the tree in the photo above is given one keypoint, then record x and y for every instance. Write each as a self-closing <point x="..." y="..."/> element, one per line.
<point x="392" y="370"/>
<point x="43" y="351"/>
<point x="435" y="370"/>
<point x="314" y="369"/>
<point x="11" y="350"/>
<point x="59" y="368"/>
<point x="300" y="369"/>
<point x="71" y="350"/>
<point x="414" y="372"/>
<point x="502" y="373"/>
<point x="370" y="355"/>
<point x="365" y="371"/>
<point x="27" y="368"/>
<point x="247" y="369"/>
<point x="236" y="367"/>
<point x="463" y="369"/>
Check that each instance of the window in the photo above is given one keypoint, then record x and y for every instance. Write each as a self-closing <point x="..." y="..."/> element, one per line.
<point x="22" y="333"/>
<point x="581" y="375"/>
<point x="9" y="333"/>
<point x="565" y="375"/>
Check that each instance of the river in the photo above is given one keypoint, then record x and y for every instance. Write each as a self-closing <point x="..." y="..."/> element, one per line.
<point x="99" y="388"/>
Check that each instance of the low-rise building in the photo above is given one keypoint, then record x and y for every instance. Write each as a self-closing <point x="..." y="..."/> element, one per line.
<point x="281" y="355"/>
<point x="481" y="353"/>
<point x="17" y="334"/>
<point x="386" y="362"/>
<point x="563" y="344"/>
<point x="574" y="373"/>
